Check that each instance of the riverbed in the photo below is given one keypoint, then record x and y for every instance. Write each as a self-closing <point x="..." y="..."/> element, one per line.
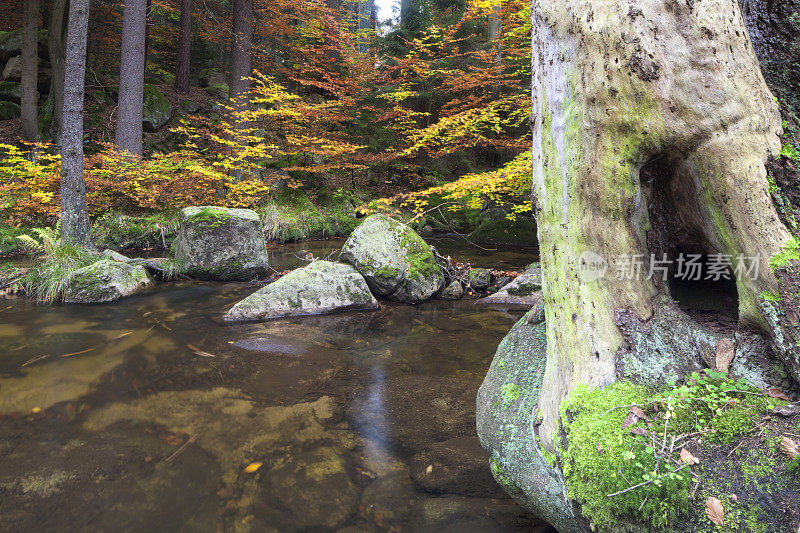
<point x="152" y="414"/>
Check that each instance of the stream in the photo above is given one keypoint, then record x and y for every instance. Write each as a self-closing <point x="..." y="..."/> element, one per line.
<point x="151" y="414"/>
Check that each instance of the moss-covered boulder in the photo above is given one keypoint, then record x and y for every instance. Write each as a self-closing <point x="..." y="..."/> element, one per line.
<point x="10" y="91"/>
<point x="480" y="278"/>
<point x="9" y="110"/>
<point x="319" y="288"/>
<point x="396" y="262"/>
<point x="501" y="230"/>
<point x="524" y="291"/>
<point x="454" y="291"/>
<point x="156" y="109"/>
<point x="105" y="281"/>
<point x="11" y="44"/>
<point x="506" y="419"/>
<point x="221" y="244"/>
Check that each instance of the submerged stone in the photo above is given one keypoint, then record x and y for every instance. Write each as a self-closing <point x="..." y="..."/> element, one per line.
<point x="455" y="466"/>
<point x="396" y="262"/>
<point x="221" y="244"/>
<point x="105" y="281"/>
<point x="320" y="288"/>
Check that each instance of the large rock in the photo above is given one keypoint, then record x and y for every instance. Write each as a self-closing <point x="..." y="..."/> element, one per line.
<point x="388" y="502"/>
<point x="319" y="288"/>
<point x="10" y="91"/>
<point x="156" y="109"/>
<point x="105" y="281"/>
<point x="523" y="291"/>
<point x="11" y="44"/>
<point x="499" y="229"/>
<point x="396" y="262"/>
<point x="506" y="405"/>
<point x="9" y="110"/>
<point x="222" y="244"/>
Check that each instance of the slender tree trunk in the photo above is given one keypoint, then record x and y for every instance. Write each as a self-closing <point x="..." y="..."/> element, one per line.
<point x="30" y="72"/>
<point x="184" y="48"/>
<point x="495" y="27"/>
<point x="55" y="45"/>
<point x="241" y="45"/>
<point x="131" y="79"/>
<point x="74" y="216"/>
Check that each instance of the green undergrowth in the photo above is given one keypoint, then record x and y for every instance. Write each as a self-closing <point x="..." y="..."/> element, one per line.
<point x="210" y="216"/>
<point x="292" y="216"/>
<point x="123" y="232"/>
<point x="625" y="470"/>
<point x="789" y="252"/>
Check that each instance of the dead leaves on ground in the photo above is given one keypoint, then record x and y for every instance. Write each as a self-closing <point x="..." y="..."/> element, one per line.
<point x="688" y="458"/>
<point x="789" y="447"/>
<point x="714" y="511"/>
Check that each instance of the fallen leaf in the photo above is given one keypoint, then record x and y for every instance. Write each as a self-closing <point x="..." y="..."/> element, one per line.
<point x="776" y="393"/>
<point x="429" y="469"/>
<point x="638" y="412"/>
<point x="790" y="447"/>
<point x="121" y="335"/>
<point x="198" y="351"/>
<point x="77" y="353"/>
<point x="725" y="352"/>
<point x="252" y="467"/>
<point x="714" y="511"/>
<point x="734" y="498"/>
<point x="688" y="458"/>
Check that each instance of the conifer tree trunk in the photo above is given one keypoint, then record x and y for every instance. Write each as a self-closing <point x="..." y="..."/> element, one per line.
<point x="184" y="48"/>
<point x="241" y="45"/>
<point x="651" y="128"/>
<point x="131" y="78"/>
<point x="74" y="217"/>
<point x="30" y="70"/>
<point x="55" y="46"/>
<point x="495" y="27"/>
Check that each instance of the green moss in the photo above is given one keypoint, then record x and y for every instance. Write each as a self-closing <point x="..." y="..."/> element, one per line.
<point x="789" y="252"/>
<point x="387" y="272"/>
<point x="769" y="297"/>
<point x="421" y="261"/>
<point x="510" y="392"/>
<point x="211" y="216"/>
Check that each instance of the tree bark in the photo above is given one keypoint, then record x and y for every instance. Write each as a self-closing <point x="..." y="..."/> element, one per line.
<point x="131" y="79"/>
<point x="241" y="45"/>
<point x="30" y="72"/>
<point x="651" y="126"/>
<point x="74" y="216"/>
<point x="184" y="48"/>
<point x="495" y="30"/>
<point x="55" y="46"/>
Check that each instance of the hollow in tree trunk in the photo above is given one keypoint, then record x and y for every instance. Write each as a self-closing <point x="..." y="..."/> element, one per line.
<point x="651" y="128"/>
<point x="131" y="79"/>
<point x="74" y="217"/>
<point x="30" y="69"/>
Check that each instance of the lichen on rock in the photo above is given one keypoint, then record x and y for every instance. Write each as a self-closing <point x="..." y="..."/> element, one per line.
<point x="105" y="281"/>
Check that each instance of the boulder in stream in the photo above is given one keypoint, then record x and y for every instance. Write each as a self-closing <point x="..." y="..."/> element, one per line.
<point x="396" y="262"/>
<point x="105" y="281"/>
<point x="319" y="288"/>
<point x="221" y="244"/>
<point x="524" y="290"/>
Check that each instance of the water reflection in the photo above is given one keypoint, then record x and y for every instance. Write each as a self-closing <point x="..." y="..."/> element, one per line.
<point x="361" y="421"/>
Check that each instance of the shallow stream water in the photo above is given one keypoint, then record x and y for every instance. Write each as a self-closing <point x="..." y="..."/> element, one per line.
<point x="150" y="414"/>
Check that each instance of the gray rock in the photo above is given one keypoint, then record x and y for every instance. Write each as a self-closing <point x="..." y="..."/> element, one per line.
<point x="455" y="466"/>
<point x="454" y="291"/>
<point x="389" y="501"/>
<point x="524" y="291"/>
<point x="414" y="411"/>
<point x="319" y="288"/>
<point x="11" y="44"/>
<point x="506" y="405"/>
<point x="222" y="244"/>
<point x="284" y="346"/>
<point x="105" y="281"/>
<point x="156" y="109"/>
<point x="302" y="491"/>
<point x="219" y="91"/>
<point x="10" y="91"/>
<point x="210" y="76"/>
<point x="534" y="269"/>
<point x="396" y="262"/>
<point x="114" y="256"/>
<point x="457" y="514"/>
<point x="190" y="106"/>
<point x="13" y="71"/>
<point x="9" y="110"/>
<point x="480" y="278"/>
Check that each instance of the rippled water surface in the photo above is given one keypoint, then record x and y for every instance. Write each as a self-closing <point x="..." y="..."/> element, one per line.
<point x="150" y="414"/>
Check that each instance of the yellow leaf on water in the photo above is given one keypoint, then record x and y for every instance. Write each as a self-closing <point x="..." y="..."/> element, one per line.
<point x="714" y="511"/>
<point x="252" y="467"/>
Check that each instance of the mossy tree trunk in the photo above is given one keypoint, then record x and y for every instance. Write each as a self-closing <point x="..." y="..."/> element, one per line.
<point x="651" y="127"/>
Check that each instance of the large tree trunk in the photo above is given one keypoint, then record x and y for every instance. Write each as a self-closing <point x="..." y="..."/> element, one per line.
<point x="241" y="45"/>
<point x="30" y="69"/>
<point x="74" y="217"/>
<point x="55" y="46"/>
<point x="131" y="79"/>
<point x="184" y="48"/>
<point x="651" y="128"/>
